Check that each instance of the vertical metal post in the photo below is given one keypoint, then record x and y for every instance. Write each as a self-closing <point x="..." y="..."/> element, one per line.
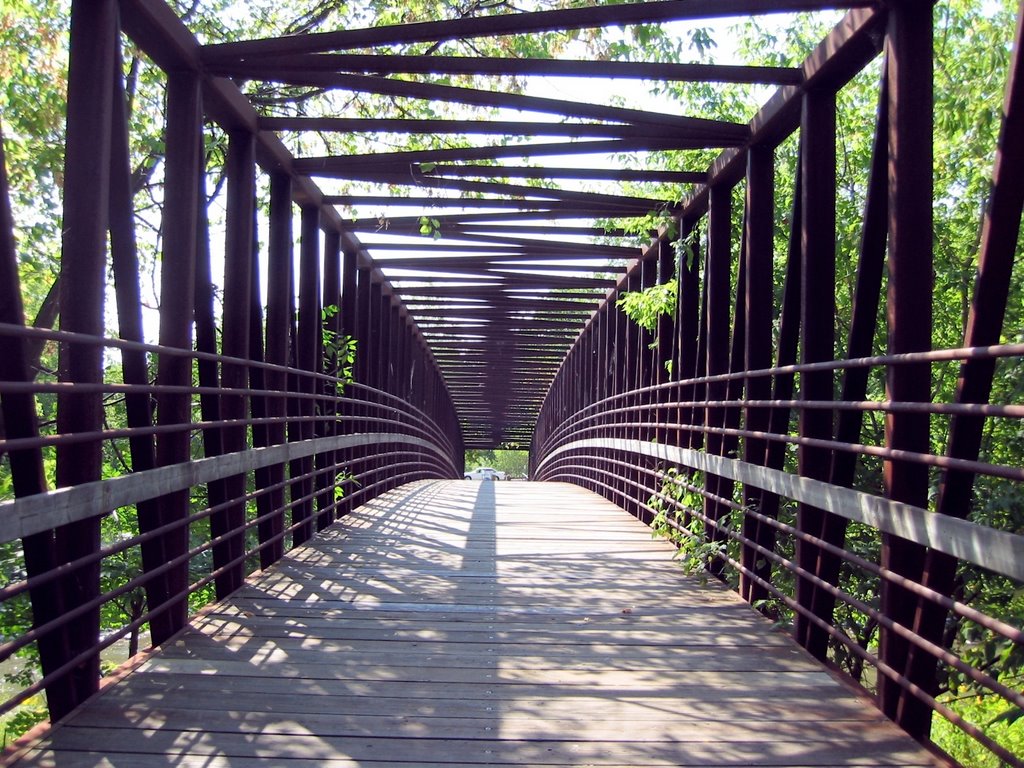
<point x="82" y="274"/>
<point x="279" y="290"/>
<point x="241" y="194"/>
<point x="326" y="462"/>
<point x="908" y="49"/>
<point x="666" y="332"/>
<point x="308" y="360"/>
<point x="863" y="323"/>
<point x="758" y="287"/>
<point x="374" y="379"/>
<point x="620" y="359"/>
<point x="204" y="316"/>
<point x="782" y="384"/>
<point x="257" y="383"/>
<point x="818" y="246"/>
<point x="717" y="292"/>
<point x="684" y="361"/>
<point x="733" y="397"/>
<point x="27" y="472"/>
<point x="700" y="390"/>
<point x="646" y="375"/>
<point x="1000" y="230"/>
<point x="183" y="161"/>
<point x="349" y="305"/>
<point x="125" y="267"/>
<point x="126" y="273"/>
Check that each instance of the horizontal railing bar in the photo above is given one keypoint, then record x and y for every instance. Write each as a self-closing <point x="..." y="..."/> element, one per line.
<point x="41" y="512"/>
<point x="928" y="459"/>
<point x="122" y="344"/>
<point x="994" y="550"/>
<point x="941" y="355"/>
<point x="69" y="438"/>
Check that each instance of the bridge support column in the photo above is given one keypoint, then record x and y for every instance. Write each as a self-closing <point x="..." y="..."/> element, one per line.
<point x="326" y="463"/>
<point x="181" y="218"/>
<point x="717" y="295"/>
<point x="908" y="51"/>
<point x="229" y="555"/>
<point x="279" y="291"/>
<point x="759" y="315"/>
<point x="817" y="323"/>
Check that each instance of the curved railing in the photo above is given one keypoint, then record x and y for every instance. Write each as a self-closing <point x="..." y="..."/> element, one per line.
<point x="812" y="552"/>
<point x="172" y="536"/>
<point x="867" y="500"/>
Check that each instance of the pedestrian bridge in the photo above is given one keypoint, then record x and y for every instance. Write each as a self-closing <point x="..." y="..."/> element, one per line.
<point x="259" y="477"/>
<point x="450" y="623"/>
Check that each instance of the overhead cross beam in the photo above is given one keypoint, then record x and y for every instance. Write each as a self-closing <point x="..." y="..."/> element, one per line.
<point x="511" y="24"/>
<point x="299" y="64"/>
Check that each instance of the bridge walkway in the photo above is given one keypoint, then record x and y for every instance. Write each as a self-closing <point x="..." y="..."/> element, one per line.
<point x="455" y="624"/>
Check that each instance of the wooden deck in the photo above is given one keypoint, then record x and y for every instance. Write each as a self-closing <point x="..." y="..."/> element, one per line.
<point x="463" y="624"/>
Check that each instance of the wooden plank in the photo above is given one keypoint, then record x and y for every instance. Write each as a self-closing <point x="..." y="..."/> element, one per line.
<point x="313" y="651"/>
<point x="146" y="695"/>
<point x="649" y="728"/>
<point x="402" y="635"/>
<point x="130" y="760"/>
<point x="894" y="750"/>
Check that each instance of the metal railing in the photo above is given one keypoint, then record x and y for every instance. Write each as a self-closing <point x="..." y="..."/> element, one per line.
<point x="867" y="500"/>
<point x="233" y="512"/>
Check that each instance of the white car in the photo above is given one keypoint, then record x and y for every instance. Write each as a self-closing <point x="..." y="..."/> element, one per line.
<point x="485" y="473"/>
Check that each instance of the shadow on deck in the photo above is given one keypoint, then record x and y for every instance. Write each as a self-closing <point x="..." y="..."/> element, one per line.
<point x="461" y="624"/>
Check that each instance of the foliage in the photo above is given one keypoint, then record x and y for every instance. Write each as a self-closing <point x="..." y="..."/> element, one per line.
<point x="645" y="307"/>
<point x="33" y="78"/>
<point x="339" y="350"/>
<point x="19" y="721"/>
<point x="512" y="462"/>
<point x="343" y="481"/>
<point x="430" y="227"/>
<point x="678" y="518"/>
<point x="987" y="711"/>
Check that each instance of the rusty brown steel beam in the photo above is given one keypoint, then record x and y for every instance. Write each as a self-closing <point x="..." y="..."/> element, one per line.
<point x="758" y="290"/>
<point x="487" y="267"/>
<point x="538" y="172"/>
<point x="717" y="292"/>
<point x="82" y="274"/>
<point x="863" y="322"/>
<point x="504" y="66"/>
<point x="28" y="475"/>
<point x="241" y="201"/>
<point x="418" y="179"/>
<point x="1000" y="231"/>
<point x="397" y="162"/>
<point x="509" y="24"/>
<point x="543" y="202"/>
<point x="181" y="206"/>
<point x="280" y="286"/>
<point x="410" y="225"/>
<point x="266" y="512"/>
<point x="818" y="250"/>
<point x="712" y="133"/>
<point x="909" y="56"/>
<point x="458" y="127"/>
